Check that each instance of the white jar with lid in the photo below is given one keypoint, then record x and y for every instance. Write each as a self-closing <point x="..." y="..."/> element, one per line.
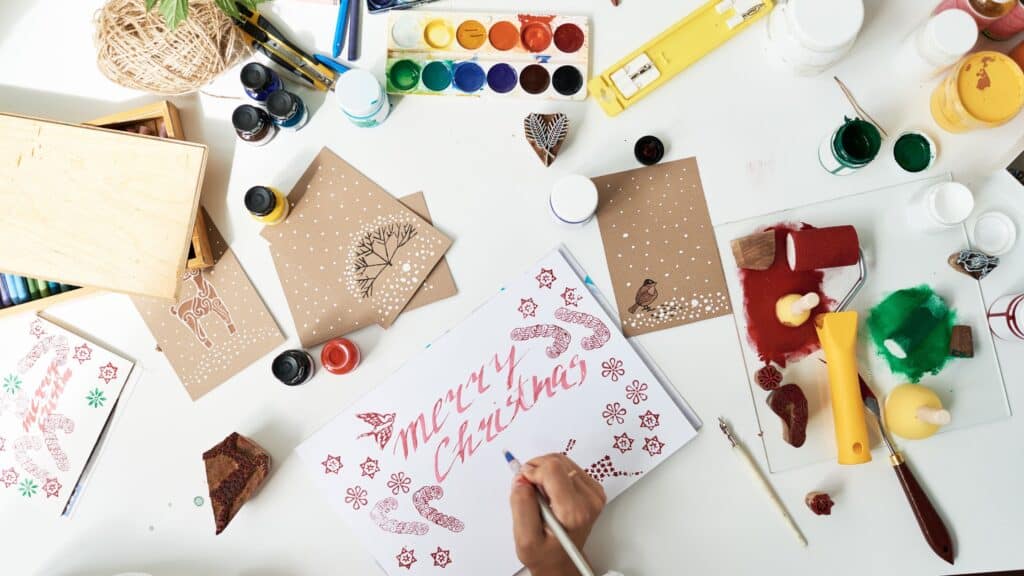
<point x="809" y="36"/>
<point x="362" y="98"/>
<point x="945" y="39"/>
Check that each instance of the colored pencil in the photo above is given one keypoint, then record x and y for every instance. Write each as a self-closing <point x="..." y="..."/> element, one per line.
<point x="44" y="288"/>
<point x="5" y="298"/>
<point x="66" y="288"/>
<point x="21" y="287"/>
<point x="354" y="12"/>
<point x="33" y="288"/>
<point x="556" y="528"/>
<point x="54" y="287"/>
<point x="339" y="28"/>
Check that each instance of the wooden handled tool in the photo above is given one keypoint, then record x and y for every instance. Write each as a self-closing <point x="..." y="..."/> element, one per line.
<point x="932" y="526"/>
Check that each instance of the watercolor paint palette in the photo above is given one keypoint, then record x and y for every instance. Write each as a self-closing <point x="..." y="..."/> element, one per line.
<point x="898" y="256"/>
<point x="483" y="54"/>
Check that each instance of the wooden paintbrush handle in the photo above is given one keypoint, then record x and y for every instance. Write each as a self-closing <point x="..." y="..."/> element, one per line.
<point x="932" y="526"/>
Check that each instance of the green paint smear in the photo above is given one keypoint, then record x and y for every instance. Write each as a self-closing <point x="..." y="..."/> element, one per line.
<point x="923" y="315"/>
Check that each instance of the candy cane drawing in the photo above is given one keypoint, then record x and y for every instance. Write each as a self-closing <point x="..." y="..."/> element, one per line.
<point x="421" y="499"/>
<point x="49" y="391"/>
<point x="50" y="426"/>
<point x="23" y="445"/>
<point x="560" y="335"/>
<point x="601" y="334"/>
<point x="379" y="515"/>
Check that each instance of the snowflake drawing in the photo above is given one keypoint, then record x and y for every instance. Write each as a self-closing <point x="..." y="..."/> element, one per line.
<point x="108" y="372"/>
<point x="406" y="558"/>
<point x="356" y="496"/>
<point x="612" y="369"/>
<point x="370" y="467"/>
<point x="623" y="443"/>
<point x="636" y="392"/>
<point x="36" y="329"/>
<point x="571" y="297"/>
<point x="332" y="464"/>
<point x="653" y="446"/>
<point x="51" y="488"/>
<point x="442" y="558"/>
<point x="527" y="307"/>
<point x="399" y="482"/>
<point x="9" y="477"/>
<point x="12" y="384"/>
<point x="613" y="413"/>
<point x="96" y="398"/>
<point x="546" y="278"/>
<point x="28" y="488"/>
<point x="649" y="420"/>
<point x="83" y="353"/>
<point x="375" y="253"/>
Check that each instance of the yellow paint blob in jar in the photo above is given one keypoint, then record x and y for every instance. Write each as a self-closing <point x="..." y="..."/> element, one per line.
<point x="267" y="205"/>
<point x="984" y="90"/>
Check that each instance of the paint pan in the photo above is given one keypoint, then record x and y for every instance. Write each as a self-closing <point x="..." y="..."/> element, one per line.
<point x="484" y="54"/>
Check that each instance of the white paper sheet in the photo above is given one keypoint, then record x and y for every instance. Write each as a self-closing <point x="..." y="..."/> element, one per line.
<point x="415" y="467"/>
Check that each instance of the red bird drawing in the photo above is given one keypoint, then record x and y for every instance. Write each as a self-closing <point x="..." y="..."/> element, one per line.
<point x="647" y="294"/>
<point x="382" y="425"/>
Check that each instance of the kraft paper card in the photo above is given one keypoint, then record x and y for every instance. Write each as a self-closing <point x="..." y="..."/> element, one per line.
<point x="218" y="326"/>
<point x="349" y="255"/>
<point x="57" y="394"/>
<point x="416" y="466"/>
<point x="660" y="246"/>
<point x="439" y="283"/>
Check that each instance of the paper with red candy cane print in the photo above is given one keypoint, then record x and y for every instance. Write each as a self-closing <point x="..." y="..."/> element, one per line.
<point x="538" y="368"/>
<point x="57" y="391"/>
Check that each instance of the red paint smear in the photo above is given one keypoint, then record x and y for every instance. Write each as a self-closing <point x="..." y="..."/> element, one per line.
<point x="761" y="289"/>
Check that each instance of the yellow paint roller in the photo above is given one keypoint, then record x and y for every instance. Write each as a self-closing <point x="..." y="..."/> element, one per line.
<point x="837" y="332"/>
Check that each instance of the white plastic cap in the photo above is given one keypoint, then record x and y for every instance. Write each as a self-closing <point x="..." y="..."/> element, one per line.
<point x="951" y="34"/>
<point x="359" y="93"/>
<point x="825" y="26"/>
<point x="574" y="199"/>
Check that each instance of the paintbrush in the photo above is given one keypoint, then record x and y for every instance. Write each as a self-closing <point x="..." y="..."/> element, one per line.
<point x="932" y="526"/>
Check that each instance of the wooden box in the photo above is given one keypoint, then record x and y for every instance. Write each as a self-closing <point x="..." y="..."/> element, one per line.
<point x="96" y="208"/>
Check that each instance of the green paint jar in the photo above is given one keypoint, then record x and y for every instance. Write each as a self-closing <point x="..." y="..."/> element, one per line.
<point x="914" y="151"/>
<point x="851" y="147"/>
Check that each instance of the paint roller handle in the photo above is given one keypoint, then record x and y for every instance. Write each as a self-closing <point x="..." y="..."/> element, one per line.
<point x="806" y="303"/>
<point x="936" y="416"/>
<point x="932" y="526"/>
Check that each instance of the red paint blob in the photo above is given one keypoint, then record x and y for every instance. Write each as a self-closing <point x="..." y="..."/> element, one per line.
<point x="761" y="289"/>
<point x="536" y="36"/>
<point x="569" y="38"/>
<point x="340" y="356"/>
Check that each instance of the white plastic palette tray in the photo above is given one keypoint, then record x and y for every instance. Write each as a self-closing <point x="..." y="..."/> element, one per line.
<point x="897" y="256"/>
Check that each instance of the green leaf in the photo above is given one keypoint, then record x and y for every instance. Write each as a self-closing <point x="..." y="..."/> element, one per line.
<point x="150" y="4"/>
<point x="174" y="12"/>
<point x="228" y="7"/>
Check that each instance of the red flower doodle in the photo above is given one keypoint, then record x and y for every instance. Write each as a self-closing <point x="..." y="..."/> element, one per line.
<point x="612" y="369"/>
<point x="51" y="487"/>
<point x="332" y="465"/>
<point x="108" y="373"/>
<point x="623" y="443"/>
<point x="83" y="353"/>
<point x="382" y="425"/>
<point x="527" y="307"/>
<point x="399" y="482"/>
<point x="9" y="477"/>
<point x="442" y="558"/>
<point x="571" y="297"/>
<point x="406" y="558"/>
<point x="356" y="496"/>
<point x="649" y="420"/>
<point x="653" y="446"/>
<point x="36" y="329"/>
<point x="370" y="467"/>
<point x="636" y="392"/>
<point x="546" y="278"/>
<point x="613" y="412"/>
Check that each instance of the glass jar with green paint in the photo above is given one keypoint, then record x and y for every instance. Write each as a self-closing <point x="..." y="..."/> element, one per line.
<point x="850" y="147"/>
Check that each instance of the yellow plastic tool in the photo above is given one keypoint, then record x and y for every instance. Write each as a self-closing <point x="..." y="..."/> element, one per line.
<point x="672" y="51"/>
<point x="838" y="334"/>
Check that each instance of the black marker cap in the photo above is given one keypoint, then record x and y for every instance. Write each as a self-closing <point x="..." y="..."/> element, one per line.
<point x="649" y="150"/>
<point x="292" y="367"/>
<point x="280" y="104"/>
<point x="255" y="76"/>
<point x="248" y="118"/>
<point x="260" y="200"/>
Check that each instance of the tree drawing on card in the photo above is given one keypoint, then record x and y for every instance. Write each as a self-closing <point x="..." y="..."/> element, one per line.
<point x="58" y="393"/>
<point x="415" y="467"/>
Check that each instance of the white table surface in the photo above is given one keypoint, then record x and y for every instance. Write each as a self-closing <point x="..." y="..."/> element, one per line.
<point x="755" y="131"/>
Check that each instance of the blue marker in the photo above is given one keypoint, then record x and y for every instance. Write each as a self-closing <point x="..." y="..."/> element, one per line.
<point x="5" y="298"/>
<point x="21" y="289"/>
<point x="339" y="27"/>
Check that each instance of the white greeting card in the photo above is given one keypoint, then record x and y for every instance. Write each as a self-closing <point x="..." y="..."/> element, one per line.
<point x="416" y="468"/>
<point x="57" y="392"/>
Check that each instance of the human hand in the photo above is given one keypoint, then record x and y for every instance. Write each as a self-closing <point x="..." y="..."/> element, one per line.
<point x="576" y="500"/>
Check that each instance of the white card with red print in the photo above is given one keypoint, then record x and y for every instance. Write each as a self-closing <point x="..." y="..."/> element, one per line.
<point x="416" y="466"/>
<point x="57" y="392"/>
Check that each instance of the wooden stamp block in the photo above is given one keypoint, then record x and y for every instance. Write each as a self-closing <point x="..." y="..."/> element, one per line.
<point x="755" y="252"/>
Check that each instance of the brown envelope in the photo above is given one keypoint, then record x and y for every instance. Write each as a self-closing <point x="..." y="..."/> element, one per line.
<point x="439" y="283"/>
<point x="660" y="246"/>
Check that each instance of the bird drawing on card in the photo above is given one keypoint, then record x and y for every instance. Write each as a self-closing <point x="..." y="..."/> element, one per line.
<point x="382" y="425"/>
<point x="646" y="295"/>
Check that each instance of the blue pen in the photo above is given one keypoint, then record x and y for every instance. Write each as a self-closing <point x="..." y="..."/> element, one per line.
<point x="5" y="298"/>
<point x="330" y="63"/>
<point x="353" y="30"/>
<point x="339" y="27"/>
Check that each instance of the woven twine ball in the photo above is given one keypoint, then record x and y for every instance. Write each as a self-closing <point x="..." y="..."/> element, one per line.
<point x="136" y="49"/>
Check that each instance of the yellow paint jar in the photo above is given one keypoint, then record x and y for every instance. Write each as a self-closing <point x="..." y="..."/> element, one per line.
<point x="984" y="90"/>
<point x="267" y="205"/>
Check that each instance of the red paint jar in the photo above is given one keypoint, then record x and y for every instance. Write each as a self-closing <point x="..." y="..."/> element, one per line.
<point x="339" y="356"/>
<point x="985" y="12"/>
<point x="1008" y="26"/>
